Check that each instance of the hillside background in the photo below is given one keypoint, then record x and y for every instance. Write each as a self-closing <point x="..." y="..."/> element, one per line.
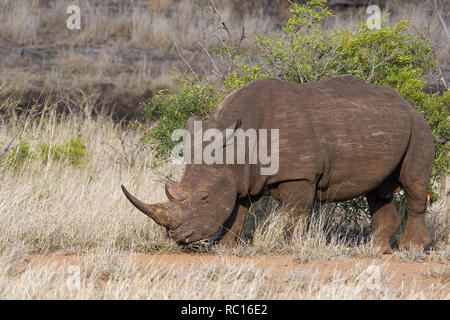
<point x="127" y="49"/>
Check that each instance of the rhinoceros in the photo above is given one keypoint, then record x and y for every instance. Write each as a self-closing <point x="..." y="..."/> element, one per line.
<point x="339" y="138"/>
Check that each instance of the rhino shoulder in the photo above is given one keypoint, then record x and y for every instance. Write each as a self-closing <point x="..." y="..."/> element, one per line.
<point x="254" y="89"/>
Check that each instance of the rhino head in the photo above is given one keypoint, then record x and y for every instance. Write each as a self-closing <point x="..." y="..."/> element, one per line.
<point x="199" y="205"/>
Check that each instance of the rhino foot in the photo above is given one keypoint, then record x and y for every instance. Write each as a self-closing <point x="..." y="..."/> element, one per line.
<point x="382" y="243"/>
<point x="416" y="235"/>
<point x="384" y="246"/>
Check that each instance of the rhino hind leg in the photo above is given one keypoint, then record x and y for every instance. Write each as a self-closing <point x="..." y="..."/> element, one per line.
<point x="385" y="218"/>
<point x="414" y="174"/>
<point x="416" y="234"/>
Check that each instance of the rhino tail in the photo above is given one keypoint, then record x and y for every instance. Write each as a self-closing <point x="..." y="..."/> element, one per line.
<point x="440" y="141"/>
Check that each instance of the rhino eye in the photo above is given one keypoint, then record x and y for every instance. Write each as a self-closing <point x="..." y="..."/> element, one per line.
<point x="204" y="192"/>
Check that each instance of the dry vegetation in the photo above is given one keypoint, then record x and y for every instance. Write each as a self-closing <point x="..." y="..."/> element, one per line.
<point x="137" y="39"/>
<point x="109" y="276"/>
<point x="78" y="211"/>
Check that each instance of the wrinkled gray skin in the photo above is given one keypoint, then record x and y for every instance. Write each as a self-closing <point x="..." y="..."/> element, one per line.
<point x="339" y="139"/>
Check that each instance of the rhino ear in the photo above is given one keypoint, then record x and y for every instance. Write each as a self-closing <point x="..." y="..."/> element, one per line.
<point x="190" y="122"/>
<point x="229" y="137"/>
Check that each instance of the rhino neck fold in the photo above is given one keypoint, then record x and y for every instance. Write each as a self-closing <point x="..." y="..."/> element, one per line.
<point x="248" y="180"/>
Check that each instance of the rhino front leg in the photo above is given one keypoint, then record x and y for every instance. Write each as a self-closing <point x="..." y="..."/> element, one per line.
<point x="297" y="198"/>
<point x="235" y="223"/>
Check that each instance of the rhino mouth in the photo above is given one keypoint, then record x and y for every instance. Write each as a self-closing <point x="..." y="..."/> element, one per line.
<point x="189" y="238"/>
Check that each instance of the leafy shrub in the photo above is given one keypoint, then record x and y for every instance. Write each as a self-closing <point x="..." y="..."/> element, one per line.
<point x="391" y="56"/>
<point x="72" y="150"/>
<point x="18" y="155"/>
<point x="170" y="112"/>
<point x="244" y="75"/>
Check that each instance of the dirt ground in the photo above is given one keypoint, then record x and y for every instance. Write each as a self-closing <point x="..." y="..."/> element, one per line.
<point x="401" y="276"/>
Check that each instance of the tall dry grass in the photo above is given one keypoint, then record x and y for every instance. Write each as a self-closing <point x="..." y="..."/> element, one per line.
<point x="131" y="46"/>
<point x="142" y="25"/>
<point x="157" y="25"/>
<point x="59" y="206"/>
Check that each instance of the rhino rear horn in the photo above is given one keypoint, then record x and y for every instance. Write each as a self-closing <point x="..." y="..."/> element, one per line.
<point x="159" y="212"/>
<point x="175" y="192"/>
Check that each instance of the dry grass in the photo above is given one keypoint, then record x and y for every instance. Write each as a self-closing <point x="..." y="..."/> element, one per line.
<point x="47" y="207"/>
<point x="139" y="25"/>
<point x="108" y="276"/>
<point x="443" y="274"/>
<point x="19" y="22"/>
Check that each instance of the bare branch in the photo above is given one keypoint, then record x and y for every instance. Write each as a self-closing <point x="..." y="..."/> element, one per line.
<point x="217" y="70"/>
<point x="165" y="177"/>
<point x="433" y="50"/>
<point x="236" y="50"/>
<point x="9" y="146"/>
<point x="441" y="75"/>
<point x="234" y="45"/>
<point x="441" y="18"/>
<point x="185" y="61"/>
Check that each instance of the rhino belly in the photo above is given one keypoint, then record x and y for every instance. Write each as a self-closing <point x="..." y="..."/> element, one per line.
<point x="361" y="154"/>
<point x="361" y="167"/>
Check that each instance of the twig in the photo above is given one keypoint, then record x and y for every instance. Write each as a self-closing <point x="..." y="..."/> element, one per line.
<point x="217" y="70"/>
<point x="8" y="147"/>
<point x="166" y="177"/>
<point x="232" y="43"/>
<point x="332" y="57"/>
<point x="442" y="78"/>
<point x="442" y="19"/>
<point x="185" y="61"/>
<point x="117" y="152"/>
<point x="236" y="48"/>
<point x="433" y="50"/>
<point x="386" y="59"/>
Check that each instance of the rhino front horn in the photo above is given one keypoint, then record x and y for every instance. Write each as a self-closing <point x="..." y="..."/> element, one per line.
<point x="175" y="192"/>
<point x="158" y="212"/>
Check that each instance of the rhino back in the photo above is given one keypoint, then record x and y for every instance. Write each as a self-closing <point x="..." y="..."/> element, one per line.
<point x="343" y="134"/>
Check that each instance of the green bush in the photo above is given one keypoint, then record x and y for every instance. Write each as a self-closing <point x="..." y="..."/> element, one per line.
<point x="170" y="112"/>
<point x="73" y="150"/>
<point x="18" y="155"/>
<point x="391" y="56"/>
<point x="244" y="75"/>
